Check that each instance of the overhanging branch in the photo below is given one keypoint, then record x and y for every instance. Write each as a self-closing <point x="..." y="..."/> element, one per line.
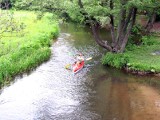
<point x="95" y="28"/>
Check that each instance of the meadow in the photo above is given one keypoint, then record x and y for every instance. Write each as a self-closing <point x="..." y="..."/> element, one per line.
<point x="29" y="46"/>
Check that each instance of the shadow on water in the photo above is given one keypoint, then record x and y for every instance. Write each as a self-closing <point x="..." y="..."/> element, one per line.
<point x="95" y="93"/>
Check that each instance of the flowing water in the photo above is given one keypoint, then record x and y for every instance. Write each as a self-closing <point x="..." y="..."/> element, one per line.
<point x="95" y="93"/>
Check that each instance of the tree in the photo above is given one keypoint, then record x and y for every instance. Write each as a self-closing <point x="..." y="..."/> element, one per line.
<point x="104" y="14"/>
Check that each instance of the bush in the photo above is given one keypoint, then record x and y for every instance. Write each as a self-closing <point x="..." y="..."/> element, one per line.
<point x="115" y="60"/>
<point x="149" y="40"/>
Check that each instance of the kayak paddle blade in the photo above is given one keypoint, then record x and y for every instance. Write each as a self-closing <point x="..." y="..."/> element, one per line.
<point x="89" y="58"/>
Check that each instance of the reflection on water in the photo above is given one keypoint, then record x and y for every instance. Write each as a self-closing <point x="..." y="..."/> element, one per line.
<point x="95" y="93"/>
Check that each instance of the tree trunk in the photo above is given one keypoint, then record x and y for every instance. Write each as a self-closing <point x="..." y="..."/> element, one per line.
<point x="150" y="22"/>
<point x="120" y="26"/>
<point x="121" y="23"/>
<point x="112" y="25"/>
<point x="80" y="3"/>
<point x="125" y="40"/>
<point x="124" y="28"/>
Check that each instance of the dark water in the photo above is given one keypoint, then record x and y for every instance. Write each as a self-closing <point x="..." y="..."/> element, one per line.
<point x="95" y="93"/>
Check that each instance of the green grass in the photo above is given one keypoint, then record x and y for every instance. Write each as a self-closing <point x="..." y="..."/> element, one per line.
<point x="137" y="58"/>
<point x="25" y="50"/>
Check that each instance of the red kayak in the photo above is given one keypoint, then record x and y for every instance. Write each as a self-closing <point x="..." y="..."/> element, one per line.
<point x="77" y="68"/>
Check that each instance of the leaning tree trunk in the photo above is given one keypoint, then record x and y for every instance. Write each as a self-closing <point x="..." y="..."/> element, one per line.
<point x="104" y="44"/>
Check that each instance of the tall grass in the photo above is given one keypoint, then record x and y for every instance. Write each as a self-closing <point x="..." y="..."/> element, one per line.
<point x="29" y="48"/>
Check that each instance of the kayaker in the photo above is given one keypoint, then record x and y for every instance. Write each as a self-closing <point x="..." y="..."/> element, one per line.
<point x="77" y="63"/>
<point x="79" y="60"/>
<point x="80" y="57"/>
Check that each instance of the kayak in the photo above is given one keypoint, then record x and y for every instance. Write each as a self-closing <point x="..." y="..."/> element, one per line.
<point x="78" y="68"/>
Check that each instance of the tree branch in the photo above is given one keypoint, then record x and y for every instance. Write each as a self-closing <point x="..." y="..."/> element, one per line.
<point x="104" y="44"/>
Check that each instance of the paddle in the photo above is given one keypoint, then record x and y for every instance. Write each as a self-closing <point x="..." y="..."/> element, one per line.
<point x="89" y="58"/>
<point x="68" y="66"/>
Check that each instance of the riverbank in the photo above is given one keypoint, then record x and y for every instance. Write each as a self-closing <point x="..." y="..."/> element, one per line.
<point x="138" y="59"/>
<point x="29" y="47"/>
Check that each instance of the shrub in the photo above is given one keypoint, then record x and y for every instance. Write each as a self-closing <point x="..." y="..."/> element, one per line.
<point x="115" y="60"/>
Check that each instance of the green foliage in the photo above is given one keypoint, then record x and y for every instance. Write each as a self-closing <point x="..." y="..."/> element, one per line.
<point x="74" y="13"/>
<point x="39" y="5"/>
<point x="115" y="60"/>
<point x="24" y="4"/>
<point x="135" y="38"/>
<point x="149" y="40"/>
<point x="23" y="53"/>
<point x="137" y="29"/>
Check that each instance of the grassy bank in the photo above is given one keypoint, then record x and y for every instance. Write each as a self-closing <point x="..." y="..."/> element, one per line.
<point x="30" y="47"/>
<point x="141" y="59"/>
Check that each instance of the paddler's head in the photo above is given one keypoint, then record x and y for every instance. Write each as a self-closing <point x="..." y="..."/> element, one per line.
<point x="80" y="54"/>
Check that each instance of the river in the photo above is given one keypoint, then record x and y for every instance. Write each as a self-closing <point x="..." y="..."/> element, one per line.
<point x="51" y="92"/>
